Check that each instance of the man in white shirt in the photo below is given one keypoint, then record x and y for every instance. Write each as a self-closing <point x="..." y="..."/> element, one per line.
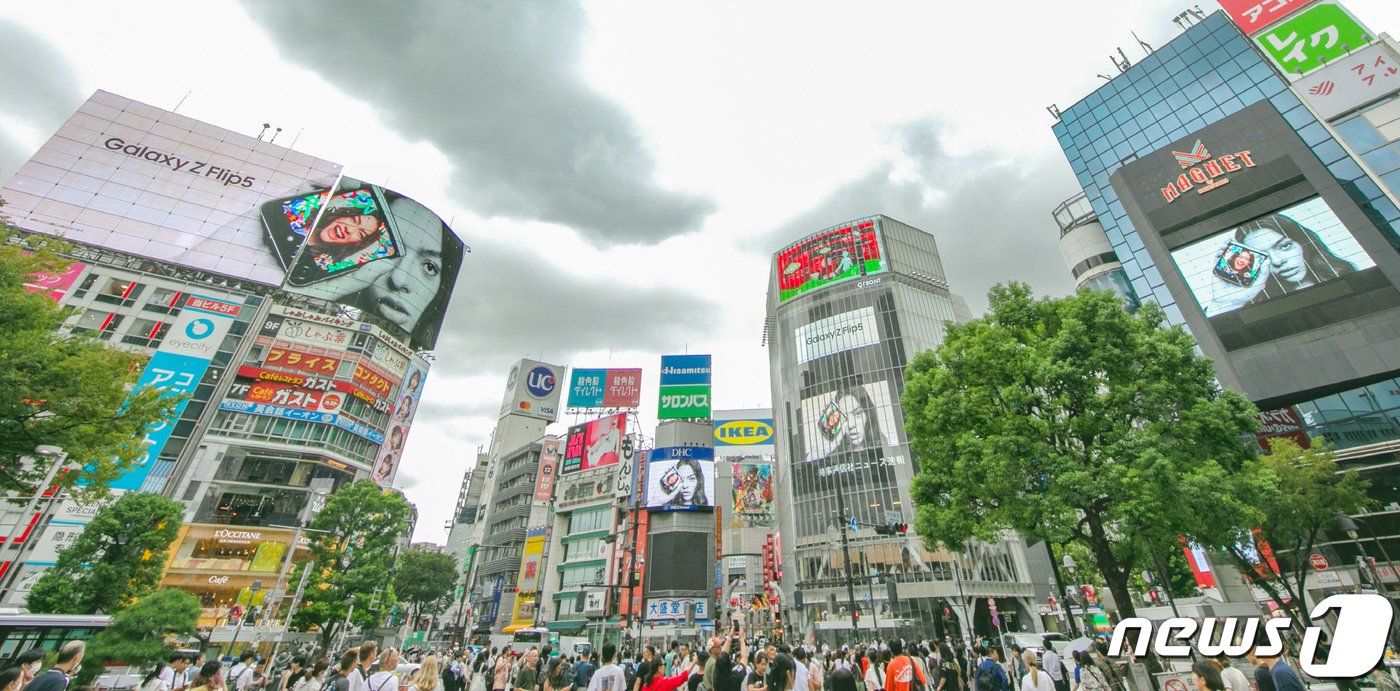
<point x="802" y="675"/>
<point x="176" y="676"/>
<point x="385" y="679"/>
<point x="242" y="675"/>
<point x="610" y="677"/>
<point x="1050" y="664"/>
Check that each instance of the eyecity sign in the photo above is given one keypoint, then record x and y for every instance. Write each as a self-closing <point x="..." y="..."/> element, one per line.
<point x="1358" y="642"/>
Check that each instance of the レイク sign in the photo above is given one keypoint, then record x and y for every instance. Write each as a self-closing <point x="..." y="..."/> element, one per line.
<point x="1204" y="173"/>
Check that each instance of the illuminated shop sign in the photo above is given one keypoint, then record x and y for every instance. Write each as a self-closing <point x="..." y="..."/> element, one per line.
<point x="1203" y="172"/>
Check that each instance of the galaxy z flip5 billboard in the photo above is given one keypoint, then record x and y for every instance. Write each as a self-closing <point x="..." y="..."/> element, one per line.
<point x="1258" y="243"/>
<point x="136" y="179"/>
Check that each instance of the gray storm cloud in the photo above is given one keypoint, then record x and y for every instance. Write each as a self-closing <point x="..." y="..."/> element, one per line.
<point x="496" y="87"/>
<point x="39" y="87"/>
<point x="991" y="218"/>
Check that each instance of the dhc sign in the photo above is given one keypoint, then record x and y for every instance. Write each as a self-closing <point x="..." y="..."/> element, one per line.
<point x="743" y="432"/>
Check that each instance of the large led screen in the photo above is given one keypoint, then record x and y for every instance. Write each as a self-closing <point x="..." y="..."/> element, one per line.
<point x="369" y="248"/>
<point x="681" y="478"/>
<point x="828" y="257"/>
<point x="679" y="562"/>
<point x="836" y="334"/>
<point x="855" y="418"/>
<point x="136" y="179"/>
<point x="1287" y="251"/>
<point x="594" y="444"/>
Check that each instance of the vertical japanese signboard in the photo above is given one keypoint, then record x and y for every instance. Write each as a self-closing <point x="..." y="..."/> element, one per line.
<point x="685" y="387"/>
<point x="1313" y="37"/>
<point x="549" y="468"/>
<point x="177" y="367"/>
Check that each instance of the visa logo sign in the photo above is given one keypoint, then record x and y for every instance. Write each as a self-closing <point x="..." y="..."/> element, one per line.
<point x="744" y="432"/>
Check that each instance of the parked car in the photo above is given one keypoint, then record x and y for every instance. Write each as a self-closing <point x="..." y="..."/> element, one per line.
<point x="1036" y="641"/>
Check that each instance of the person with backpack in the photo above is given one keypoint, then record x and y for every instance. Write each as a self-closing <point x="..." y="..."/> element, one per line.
<point x="338" y="679"/>
<point x="989" y="675"/>
<point x="901" y="674"/>
<point x="949" y="671"/>
<point x="384" y="679"/>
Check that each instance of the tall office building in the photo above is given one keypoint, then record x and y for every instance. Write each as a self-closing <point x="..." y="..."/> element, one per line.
<point x="1230" y="200"/>
<point x="848" y="308"/>
<point x="294" y="306"/>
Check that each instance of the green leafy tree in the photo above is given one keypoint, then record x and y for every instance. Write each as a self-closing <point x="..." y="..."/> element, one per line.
<point x="1298" y="507"/>
<point x="63" y="389"/>
<point x="424" y="581"/>
<point x="352" y="557"/>
<point x="117" y="559"/>
<point x="142" y="634"/>
<point x="1073" y="421"/>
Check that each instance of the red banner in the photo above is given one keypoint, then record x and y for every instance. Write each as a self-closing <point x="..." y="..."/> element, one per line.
<point x="1252" y="16"/>
<point x="304" y="362"/>
<point x="314" y="383"/>
<point x="1285" y="423"/>
<point x="372" y="380"/>
<point x="294" y="397"/>
<point x="549" y="467"/>
<point x="623" y="388"/>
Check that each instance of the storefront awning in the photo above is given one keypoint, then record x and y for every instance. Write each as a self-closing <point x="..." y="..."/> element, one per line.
<point x="567" y="626"/>
<point x="516" y="627"/>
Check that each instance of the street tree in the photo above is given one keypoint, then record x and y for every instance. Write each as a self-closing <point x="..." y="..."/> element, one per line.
<point x="142" y="634"/>
<point x="60" y="388"/>
<point x="352" y="558"/>
<point x="425" y="581"/>
<point x="117" y="558"/>
<point x="1071" y="420"/>
<point x="1298" y="508"/>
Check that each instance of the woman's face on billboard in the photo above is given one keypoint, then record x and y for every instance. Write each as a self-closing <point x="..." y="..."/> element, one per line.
<point x="401" y="289"/>
<point x="689" y="482"/>
<point x="1285" y="255"/>
<point x="855" y="418"/>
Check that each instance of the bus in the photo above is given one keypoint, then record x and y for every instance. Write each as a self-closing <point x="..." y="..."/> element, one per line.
<point x="525" y="639"/>
<point x="21" y="631"/>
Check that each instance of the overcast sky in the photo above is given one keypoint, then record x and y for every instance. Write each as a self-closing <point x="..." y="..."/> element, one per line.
<point x="623" y="171"/>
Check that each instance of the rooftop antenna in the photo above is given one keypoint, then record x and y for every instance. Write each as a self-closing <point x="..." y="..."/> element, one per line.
<point x="266" y="125"/>
<point x="294" y="139"/>
<point x="274" y="135"/>
<point x="1146" y="49"/>
<point x="182" y="101"/>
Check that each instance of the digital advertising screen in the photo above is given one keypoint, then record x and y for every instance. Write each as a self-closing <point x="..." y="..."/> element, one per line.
<point x="836" y="334"/>
<point x="678" y="561"/>
<point x="754" y="493"/>
<point x="369" y="248"/>
<point x="1290" y="250"/>
<point x="400" y="421"/>
<point x="830" y="256"/>
<point x="857" y="418"/>
<point x="680" y="478"/>
<point x="594" y="444"/>
<point x="137" y="179"/>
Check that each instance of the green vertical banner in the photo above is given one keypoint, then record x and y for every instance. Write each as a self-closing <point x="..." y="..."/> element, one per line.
<point x="685" y="387"/>
<point x="1312" y="38"/>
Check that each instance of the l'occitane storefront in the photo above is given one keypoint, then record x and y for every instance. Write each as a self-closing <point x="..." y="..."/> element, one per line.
<point x="219" y="563"/>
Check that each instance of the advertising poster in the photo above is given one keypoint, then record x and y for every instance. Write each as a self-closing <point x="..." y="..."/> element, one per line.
<point x="56" y="285"/>
<point x="400" y="421"/>
<point x="685" y="387"/>
<point x="1290" y="250"/>
<point x="370" y="248"/>
<point x="594" y="444"/>
<point x="137" y="179"/>
<point x="681" y="478"/>
<point x="1254" y="15"/>
<point x="1282" y="423"/>
<point x="754" y="493"/>
<point x="830" y="256"/>
<point x="529" y="580"/>
<point x="177" y="367"/>
<point x="1353" y="80"/>
<point x="533" y="389"/>
<point x="858" y="418"/>
<point x="549" y="467"/>
<point x="586" y="388"/>
<point x="846" y="331"/>
<point x="623" y="388"/>
<point x="1312" y="38"/>
<point x="743" y="436"/>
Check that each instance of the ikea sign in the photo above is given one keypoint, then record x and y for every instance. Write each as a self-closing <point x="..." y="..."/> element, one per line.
<point x="743" y="432"/>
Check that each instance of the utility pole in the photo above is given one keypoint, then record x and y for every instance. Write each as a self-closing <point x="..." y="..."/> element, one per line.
<point x="846" y="552"/>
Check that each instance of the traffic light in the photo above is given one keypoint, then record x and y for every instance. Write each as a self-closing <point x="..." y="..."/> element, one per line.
<point x="892" y="529"/>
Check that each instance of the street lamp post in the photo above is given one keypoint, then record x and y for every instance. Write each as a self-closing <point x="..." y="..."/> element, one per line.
<point x="1064" y="592"/>
<point x="12" y="571"/>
